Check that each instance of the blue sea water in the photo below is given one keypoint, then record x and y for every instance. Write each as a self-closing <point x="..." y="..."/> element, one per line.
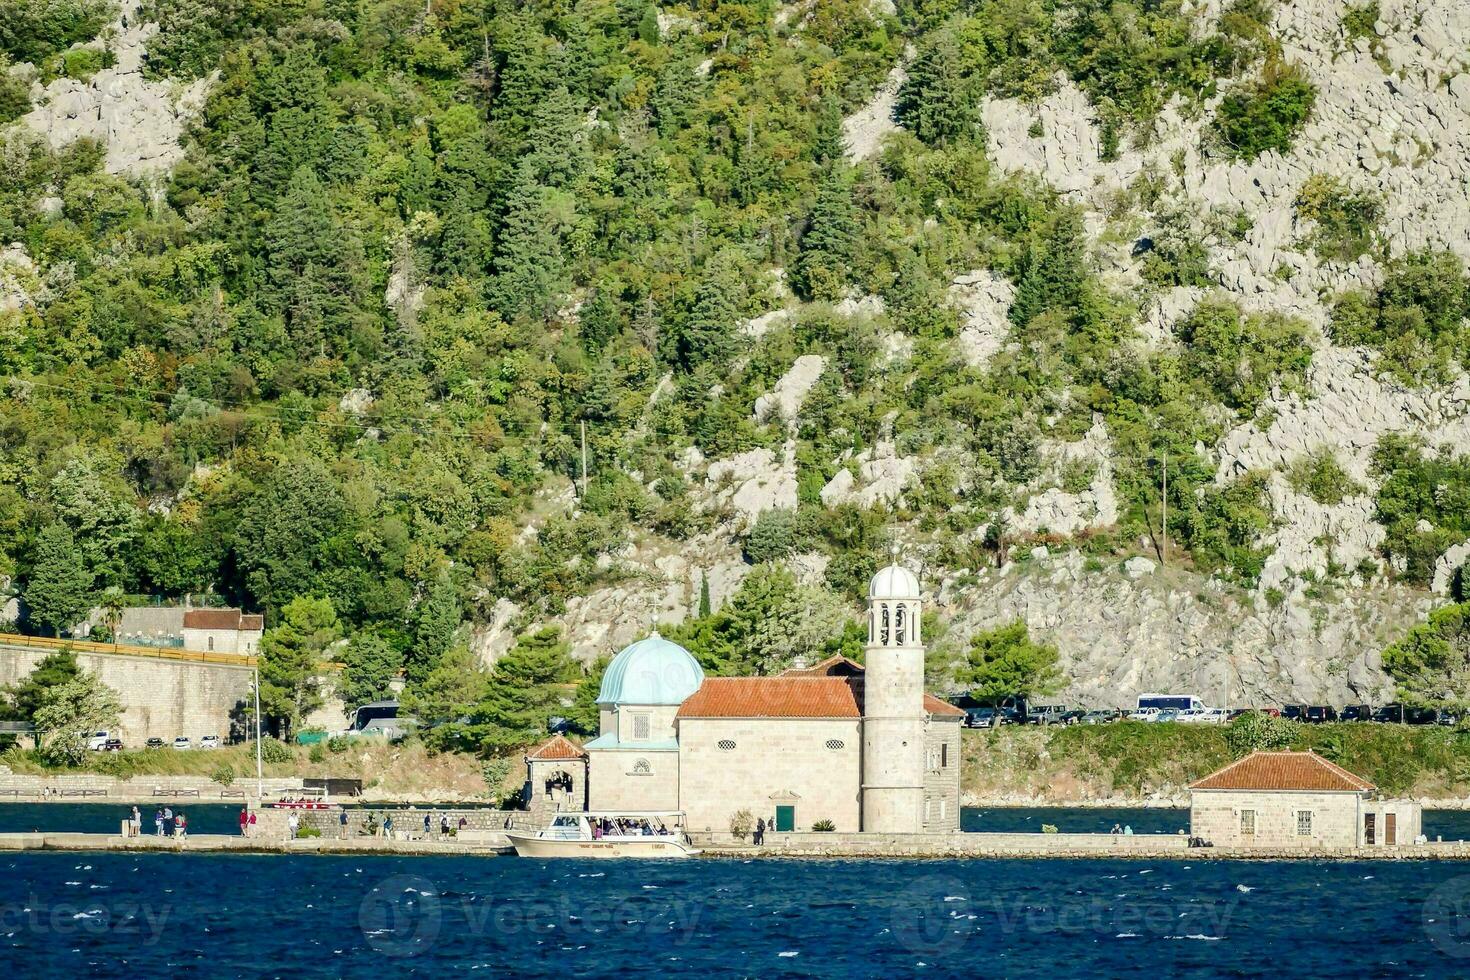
<point x="162" y="915"/>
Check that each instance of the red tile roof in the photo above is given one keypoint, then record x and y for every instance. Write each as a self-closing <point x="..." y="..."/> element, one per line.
<point x="212" y="619"/>
<point x="772" y="697"/>
<point x="1285" y="771"/>
<point x="253" y="622"/>
<point x="790" y="695"/>
<point x="555" y="748"/>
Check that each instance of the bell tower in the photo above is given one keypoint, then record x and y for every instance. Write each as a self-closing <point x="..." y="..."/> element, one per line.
<point x="893" y="705"/>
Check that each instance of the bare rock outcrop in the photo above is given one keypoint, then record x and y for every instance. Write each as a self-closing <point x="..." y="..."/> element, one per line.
<point x="785" y="400"/>
<point x="138" y="120"/>
<point x="984" y="300"/>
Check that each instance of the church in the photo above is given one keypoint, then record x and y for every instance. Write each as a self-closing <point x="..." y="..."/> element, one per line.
<point x="857" y="747"/>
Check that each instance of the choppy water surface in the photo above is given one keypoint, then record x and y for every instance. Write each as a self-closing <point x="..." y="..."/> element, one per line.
<point x="229" y="915"/>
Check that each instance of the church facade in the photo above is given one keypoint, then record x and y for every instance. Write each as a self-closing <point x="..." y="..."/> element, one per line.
<point x="861" y="747"/>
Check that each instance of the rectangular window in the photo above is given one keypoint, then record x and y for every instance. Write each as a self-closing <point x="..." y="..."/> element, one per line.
<point x="944" y="757"/>
<point x="211" y="643"/>
<point x="1247" y="823"/>
<point x="640" y="726"/>
<point x="1304" y="823"/>
<point x="943" y="806"/>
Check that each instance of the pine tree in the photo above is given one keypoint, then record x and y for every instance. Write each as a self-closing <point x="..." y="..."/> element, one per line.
<point x="824" y="261"/>
<point x="59" y="591"/>
<point x="291" y="657"/>
<point x="704" y="604"/>
<point x="1053" y="272"/>
<point x="369" y="667"/>
<point x="435" y="621"/>
<point x="522" y="693"/>
<point x="939" y="103"/>
<point x="829" y="142"/>
<point x="530" y="271"/>
<point x="709" y="335"/>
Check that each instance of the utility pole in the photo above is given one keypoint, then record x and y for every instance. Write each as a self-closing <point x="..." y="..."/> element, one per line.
<point x="1164" y="552"/>
<point x="259" y="778"/>
<point x="583" y="425"/>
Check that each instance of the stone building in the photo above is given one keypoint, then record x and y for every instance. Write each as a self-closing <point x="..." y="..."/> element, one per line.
<point x="223" y="631"/>
<point x="1296" y="799"/>
<point x="861" y="748"/>
<point x="556" y="778"/>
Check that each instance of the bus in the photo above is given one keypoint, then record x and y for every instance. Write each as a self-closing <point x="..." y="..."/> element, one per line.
<point x="1179" y="702"/>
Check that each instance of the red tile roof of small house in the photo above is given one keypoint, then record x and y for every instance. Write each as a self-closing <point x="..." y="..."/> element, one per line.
<point x="1285" y="772"/>
<point x="556" y="748"/>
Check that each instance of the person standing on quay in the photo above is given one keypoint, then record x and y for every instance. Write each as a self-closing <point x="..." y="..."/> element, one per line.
<point x="158" y="822"/>
<point x="244" y="822"/>
<point x="251" y="825"/>
<point x="168" y="821"/>
<point x="342" y="824"/>
<point x="135" y="823"/>
<point x="292" y="822"/>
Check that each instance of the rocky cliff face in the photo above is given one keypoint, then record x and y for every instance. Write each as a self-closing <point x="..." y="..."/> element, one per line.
<point x="138" y="120"/>
<point x="1393" y="116"/>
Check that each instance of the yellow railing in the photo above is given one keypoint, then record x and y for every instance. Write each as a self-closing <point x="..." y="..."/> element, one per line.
<point x="124" y="650"/>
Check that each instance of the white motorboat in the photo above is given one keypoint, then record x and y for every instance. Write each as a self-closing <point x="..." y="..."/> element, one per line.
<point x="607" y="834"/>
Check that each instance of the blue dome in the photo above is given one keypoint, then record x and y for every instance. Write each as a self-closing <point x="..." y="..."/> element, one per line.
<point x="651" y="671"/>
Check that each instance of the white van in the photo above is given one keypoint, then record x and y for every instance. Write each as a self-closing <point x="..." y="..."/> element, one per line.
<point x="97" y="741"/>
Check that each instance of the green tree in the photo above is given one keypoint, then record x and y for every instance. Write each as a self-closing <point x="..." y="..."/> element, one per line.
<point x="292" y="657"/>
<point x="939" y="103"/>
<point x="1431" y="664"/>
<point x="825" y="255"/>
<point x="54" y="670"/>
<point x="584" y="714"/>
<point x="69" y="713"/>
<point x="58" y="592"/>
<point x="1053" y="271"/>
<point x="1006" y="662"/>
<point x="370" y="665"/>
<point x="436" y="619"/>
<point x="1266" y="113"/>
<point x="447" y="692"/>
<point x="286" y="538"/>
<point x="524" y="691"/>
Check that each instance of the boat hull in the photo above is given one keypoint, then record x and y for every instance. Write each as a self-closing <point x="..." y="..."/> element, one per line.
<point x="529" y="845"/>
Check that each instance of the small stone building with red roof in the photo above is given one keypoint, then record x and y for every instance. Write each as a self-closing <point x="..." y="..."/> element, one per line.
<point x="223" y="631"/>
<point x="556" y="778"/>
<point x="1296" y="799"/>
<point x="859" y="747"/>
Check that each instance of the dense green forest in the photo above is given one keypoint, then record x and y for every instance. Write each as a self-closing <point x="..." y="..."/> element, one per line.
<point x="334" y="362"/>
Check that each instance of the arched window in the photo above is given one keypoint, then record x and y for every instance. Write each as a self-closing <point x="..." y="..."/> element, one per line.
<point x="642" y="768"/>
<point x="883" y="633"/>
<point x="900" y="624"/>
<point x="872" y="636"/>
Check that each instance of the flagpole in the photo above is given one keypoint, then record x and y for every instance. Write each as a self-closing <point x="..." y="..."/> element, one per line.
<point x="259" y="780"/>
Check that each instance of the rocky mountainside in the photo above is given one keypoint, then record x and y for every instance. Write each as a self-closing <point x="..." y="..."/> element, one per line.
<point x="1162" y="369"/>
<point x="1392" y="116"/>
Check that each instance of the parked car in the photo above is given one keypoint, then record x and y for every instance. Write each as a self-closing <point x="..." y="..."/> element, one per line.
<point x="1235" y="713"/>
<point x="1317" y="714"/>
<point x="1073" y="717"/>
<point x="1294" y="712"/>
<point x="182" y="743"/>
<point x="1046" y="714"/>
<point x="1204" y="716"/>
<point x="1392" y="713"/>
<point x="97" y="740"/>
<point x="1356" y="712"/>
<point x="1100" y="716"/>
<point x="1145" y="714"/>
<point x="1446" y="718"/>
<point x="155" y="743"/>
<point x="209" y="742"/>
<point x="1167" y="714"/>
<point x="984" y="718"/>
<point x="112" y="745"/>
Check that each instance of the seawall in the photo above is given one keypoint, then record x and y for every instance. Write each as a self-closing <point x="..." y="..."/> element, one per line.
<point x="161" y="697"/>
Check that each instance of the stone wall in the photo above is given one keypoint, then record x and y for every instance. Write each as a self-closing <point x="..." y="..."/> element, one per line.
<point x="1217" y="817"/>
<point x="942" y="776"/>
<point x="771" y="756"/>
<point x="161" y="698"/>
<point x="617" y="781"/>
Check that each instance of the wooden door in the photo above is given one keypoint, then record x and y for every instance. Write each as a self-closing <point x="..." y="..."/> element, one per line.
<point x="1390" y="828"/>
<point x="1370" y="821"/>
